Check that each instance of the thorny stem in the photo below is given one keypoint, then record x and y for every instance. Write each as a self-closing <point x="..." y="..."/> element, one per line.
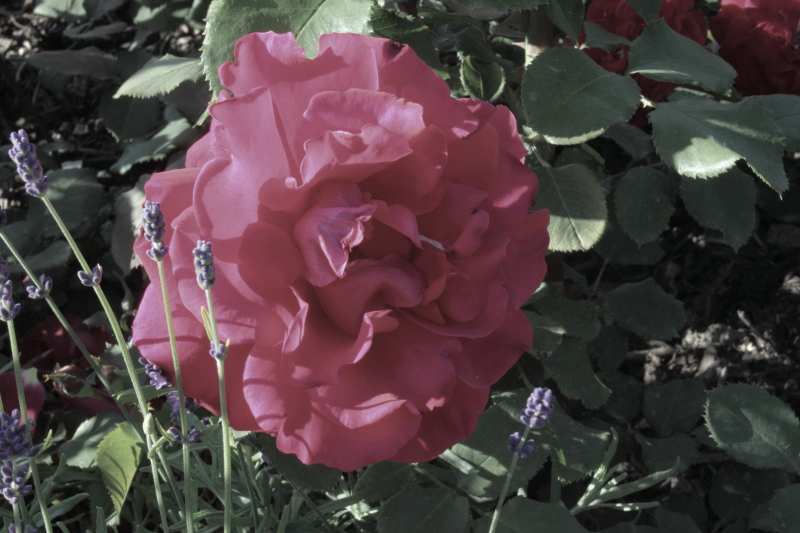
<point x="507" y="484"/>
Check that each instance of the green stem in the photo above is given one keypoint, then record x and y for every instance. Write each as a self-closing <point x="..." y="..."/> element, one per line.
<point x="71" y="332"/>
<point x="17" y="518"/>
<point x="121" y="341"/>
<point x="507" y="484"/>
<point x="173" y="345"/>
<point x="23" y="409"/>
<point x="223" y="410"/>
<point x="555" y="487"/>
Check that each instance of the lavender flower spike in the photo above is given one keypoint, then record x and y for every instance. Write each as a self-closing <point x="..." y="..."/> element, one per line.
<point x="538" y="408"/>
<point x="13" y="437"/>
<point x="8" y="309"/>
<point x="153" y="225"/>
<point x="12" y="483"/>
<point x="23" y="153"/>
<point x="3" y="219"/>
<point x="514" y="447"/>
<point x="204" y="265"/>
<point x="95" y="278"/>
<point x="35" y="293"/>
<point x="188" y="404"/>
<point x="153" y="371"/>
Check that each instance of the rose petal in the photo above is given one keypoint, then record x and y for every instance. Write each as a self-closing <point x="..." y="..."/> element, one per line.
<point x="446" y="425"/>
<point x="32" y="389"/>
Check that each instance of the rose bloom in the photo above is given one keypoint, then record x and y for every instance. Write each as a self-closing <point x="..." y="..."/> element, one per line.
<point x="32" y="388"/>
<point x="373" y="239"/>
<point x="618" y="17"/>
<point x="761" y="39"/>
<point x="50" y="338"/>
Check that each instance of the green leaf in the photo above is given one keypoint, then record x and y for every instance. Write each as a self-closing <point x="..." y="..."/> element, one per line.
<point x="522" y="515"/>
<point x="576" y="450"/>
<point x="578" y="318"/>
<point x="61" y="508"/>
<point x="645" y="309"/>
<point x="577" y="205"/>
<point x="402" y="28"/>
<point x="69" y="9"/>
<point x="675" y="406"/>
<point x="609" y="348"/>
<point x="570" y="368"/>
<point x="662" y="54"/>
<point x="737" y="490"/>
<point x="488" y="460"/>
<point x="754" y="427"/>
<point x="312" y="477"/>
<point x="625" y="402"/>
<point x="484" y="81"/>
<point x="647" y="9"/>
<point x="785" y="509"/>
<point x="599" y="37"/>
<point x="784" y="109"/>
<point x="81" y="449"/>
<point x="618" y="248"/>
<point x="75" y="194"/>
<point x="660" y="454"/>
<point x="726" y="203"/>
<point x="228" y="20"/>
<point x="55" y="255"/>
<point x="644" y="203"/>
<point x="512" y="5"/>
<point x="762" y="519"/>
<point x="567" y="15"/>
<point x="673" y="522"/>
<point x="161" y="76"/>
<point x="176" y="134"/>
<point x="118" y="458"/>
<point x="95" y="9"/>
<point x="418" y="510"/>
<point x="381" y="481"/>
<point x="127" y="118"/>
<point x="631" y="139"/>
<point x="127" y="217"/>
<point x="569" y="98"/>
<point x="630" y="527"/>
<point x="702" y="138"/>
<point x="85" y="62"/>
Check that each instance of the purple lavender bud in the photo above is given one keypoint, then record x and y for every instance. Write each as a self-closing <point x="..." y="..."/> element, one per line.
<point x="3" y="219"/>
<point x="220" y="352"/>
<point x="204" y="265"/>
<point x="14" y="440"/>
<point x="271" y="470"/>
<point x="153" y="225"/>
<point x="175" y="433"/>
<point x="193" y="434"/>
<point x="95" y="279"/>
<point x="174" y="401"/>
<point x="35" y="293"/>
<point x="8" y="309"/>
<point x="23" y="153"/>
<point x="12" y="483"/>
<point x="514" y="445"/>
<point x="540" y="404"/>
<point x="153" y="371"/>
<point x="13" y="529"/>
<point x="39" y="188"/>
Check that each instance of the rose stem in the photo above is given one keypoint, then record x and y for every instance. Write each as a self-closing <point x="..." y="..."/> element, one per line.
<point x="507" y="484"/>
<point x="223" y="410"/>
<point x="57" y="312"/>
<point x="126" y="356"/>
<point x="23" y="409"/>
<point x="189" y="508"/>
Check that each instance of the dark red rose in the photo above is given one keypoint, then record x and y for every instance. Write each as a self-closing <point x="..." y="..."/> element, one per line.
<point x="761" y="39"/>
<point x="50" y="335"/>
<point x="618" y="17"/>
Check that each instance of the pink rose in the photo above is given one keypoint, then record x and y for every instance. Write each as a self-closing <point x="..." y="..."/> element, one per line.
<point x="761" y="39"/>
<point x="31" y="387"/>
<point x="617" y="16"/>
<point x="373" y="242"/>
